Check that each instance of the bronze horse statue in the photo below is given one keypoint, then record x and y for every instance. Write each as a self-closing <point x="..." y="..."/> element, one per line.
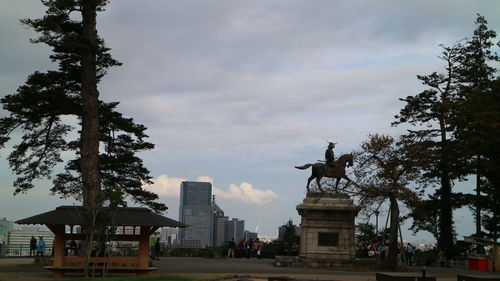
<point x="338" y="171"/>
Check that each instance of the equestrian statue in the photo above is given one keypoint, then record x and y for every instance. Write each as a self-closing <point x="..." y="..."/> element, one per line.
<point x="330" y="168"/>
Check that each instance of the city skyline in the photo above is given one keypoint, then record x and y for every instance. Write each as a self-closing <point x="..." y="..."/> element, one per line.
<point x="208" y="226"/>
<point x="239" y="94"/>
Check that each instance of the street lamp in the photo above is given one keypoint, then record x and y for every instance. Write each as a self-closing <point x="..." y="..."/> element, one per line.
<point x="376" y="222"/>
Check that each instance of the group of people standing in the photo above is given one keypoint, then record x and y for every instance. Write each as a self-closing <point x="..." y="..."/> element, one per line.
<point x="374" y="249"/>
<point x="245" y="249"/>
<point x="37" y="247"/>
<point x="154" y="244"/>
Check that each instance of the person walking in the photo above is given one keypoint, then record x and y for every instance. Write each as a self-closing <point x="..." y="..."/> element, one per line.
<point x="32" y="246"/>
<point x="241" y="248"/>
<point x="230" y="248"/>
<point x="255" y="248"/>
<point x="258" y="248"/>
<point x="409" y="253"/>
<point x="152" y="245"/>
<point x="249" y="248"/>
<point x="157" y="249"/>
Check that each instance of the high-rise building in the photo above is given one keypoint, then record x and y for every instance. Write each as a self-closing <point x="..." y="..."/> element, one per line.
<point x="195" y="210"/>
<point x="219" y="225"/>
<point x="250" y="235"/>
<point x="235" y="228"/>
<point x="220" y="231"/>
<point x="168" y="236"/>
<point x="5" y="226"/>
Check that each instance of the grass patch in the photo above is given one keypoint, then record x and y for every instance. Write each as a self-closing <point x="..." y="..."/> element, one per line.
<point x="146" y="278"/>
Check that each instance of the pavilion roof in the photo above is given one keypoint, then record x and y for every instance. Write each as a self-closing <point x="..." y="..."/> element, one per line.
<point x="127" y="216"/>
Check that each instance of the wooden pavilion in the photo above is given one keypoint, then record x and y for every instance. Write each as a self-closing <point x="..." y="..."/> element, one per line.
<point x="140" y="223"/>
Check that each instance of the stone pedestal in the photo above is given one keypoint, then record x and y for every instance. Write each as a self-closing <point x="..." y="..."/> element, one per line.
<point x="327" y="229"/>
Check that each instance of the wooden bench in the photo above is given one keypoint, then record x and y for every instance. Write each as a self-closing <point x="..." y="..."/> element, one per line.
<point x="478" y="278"/>
<point x="99" y="264"/>
<point x="399" y="276"/>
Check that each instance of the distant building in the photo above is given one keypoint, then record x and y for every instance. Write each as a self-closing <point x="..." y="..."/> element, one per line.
<point x="235" y="228"/>
<point x="19" y="240"/>
<point x="5" y="226"/>
<point x="169" y="236"/>
<point x="282" y="230"/>
<point x="195" y="210"/>
<point x="219" y="225"/>
<point x="250" y="235"/>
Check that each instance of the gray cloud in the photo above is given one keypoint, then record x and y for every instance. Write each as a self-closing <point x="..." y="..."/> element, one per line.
<point x="243" y="90"/>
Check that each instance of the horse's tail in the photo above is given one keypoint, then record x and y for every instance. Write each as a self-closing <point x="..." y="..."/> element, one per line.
<point x="304" y="167"/>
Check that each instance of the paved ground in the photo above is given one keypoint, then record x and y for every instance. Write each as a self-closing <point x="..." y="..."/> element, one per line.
<point x="22" y="269"/>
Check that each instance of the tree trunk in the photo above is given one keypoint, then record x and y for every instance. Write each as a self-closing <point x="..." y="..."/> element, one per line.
<point x="89" y="153"/>
<point x="495" y="229"/>
<point x="446" y="218"/>
<point x="445" y="241"/>
<point x="90" y="117"/>
<point x="392" y="258"/>
<point x="478" y="199"/>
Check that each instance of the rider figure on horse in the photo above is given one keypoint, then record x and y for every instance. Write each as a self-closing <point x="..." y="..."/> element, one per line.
<point x="329" y="156"/>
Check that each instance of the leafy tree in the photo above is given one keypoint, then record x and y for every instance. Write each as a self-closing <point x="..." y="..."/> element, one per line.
<point x="41" y="108"/>
<point x="284" y="246"/>
<point x="366" y="233"/>
<point x="429" y="143"/>
<point x="384" y="174"/>
<point x="426" y="217"/>
<point x="290" y="236"/>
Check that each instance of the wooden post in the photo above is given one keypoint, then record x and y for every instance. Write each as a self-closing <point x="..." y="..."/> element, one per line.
<point x="58" y="245"/>
<point x="143" y="258"/>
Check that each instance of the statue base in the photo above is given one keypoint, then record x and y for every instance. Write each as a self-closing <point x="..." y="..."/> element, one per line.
<point x="327" y="229"/>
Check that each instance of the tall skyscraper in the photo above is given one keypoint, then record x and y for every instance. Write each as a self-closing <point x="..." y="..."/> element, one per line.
<point x="235" y="228"/>
<point x="195" y="210"/>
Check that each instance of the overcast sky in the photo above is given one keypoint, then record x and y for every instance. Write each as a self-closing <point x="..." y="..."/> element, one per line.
<point x="238" y="92"/>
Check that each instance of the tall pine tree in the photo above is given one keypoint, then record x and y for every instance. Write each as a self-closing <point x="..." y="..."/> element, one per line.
<point x="474" y="113"/>
<point x="429" y="142"/>
<point x="40" y="107"/>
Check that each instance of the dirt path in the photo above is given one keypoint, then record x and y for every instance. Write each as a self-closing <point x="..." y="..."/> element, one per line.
<point x="23" y="269"/>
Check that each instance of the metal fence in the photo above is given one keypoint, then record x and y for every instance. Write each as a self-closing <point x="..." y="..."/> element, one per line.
<point x="115" y="250"/>
<point x="21" y="251"/>
<point x="24" y="251"/>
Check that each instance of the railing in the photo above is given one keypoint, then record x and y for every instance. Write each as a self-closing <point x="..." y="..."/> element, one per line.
<point x="21" y="251"/>
<point x="24" y="251"/>
<point x="116" y="250"/>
